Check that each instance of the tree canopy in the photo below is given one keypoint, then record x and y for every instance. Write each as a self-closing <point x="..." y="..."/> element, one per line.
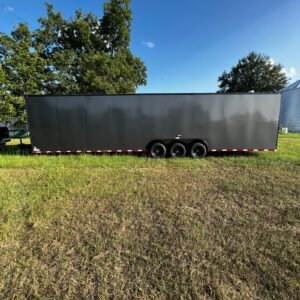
<point x="85" y="54"/>
<point x="255" y="72"/>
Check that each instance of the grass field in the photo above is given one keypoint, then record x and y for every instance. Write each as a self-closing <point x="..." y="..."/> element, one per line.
<point x="118" y="227"/>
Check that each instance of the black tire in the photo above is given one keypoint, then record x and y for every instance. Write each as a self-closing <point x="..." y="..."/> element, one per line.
<point x="198" y="150"/>
<point x="177" y="150"/>
<point x="158" y="150"/>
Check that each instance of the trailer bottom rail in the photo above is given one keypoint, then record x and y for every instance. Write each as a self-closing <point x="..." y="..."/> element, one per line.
<point x="139" y="151"/>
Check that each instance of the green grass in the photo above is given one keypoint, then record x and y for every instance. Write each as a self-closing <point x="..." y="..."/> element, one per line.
<point x="99" y="227"/>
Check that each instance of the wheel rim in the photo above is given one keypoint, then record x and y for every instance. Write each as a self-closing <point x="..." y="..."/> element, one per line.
<point x="198" y="151"/>
<point x="158" y="151"/>
<point x="178" y="151"/>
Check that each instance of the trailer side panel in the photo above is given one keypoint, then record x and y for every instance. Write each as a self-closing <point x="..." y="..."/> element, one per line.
<point x="132" y="121"/>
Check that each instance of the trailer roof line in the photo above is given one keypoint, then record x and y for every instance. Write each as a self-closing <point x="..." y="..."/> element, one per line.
<point x="148" y="94"/>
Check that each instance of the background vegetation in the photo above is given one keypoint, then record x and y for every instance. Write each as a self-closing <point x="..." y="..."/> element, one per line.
<point x="81" y="55"/>
<point x="226" y="227"/>
<point x="255" y="72"/>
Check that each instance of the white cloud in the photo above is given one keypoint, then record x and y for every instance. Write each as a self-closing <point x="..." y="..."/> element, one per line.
<point x="9" y="9"/>
<point x="149" y="44"/>
<point x="271" y="61"/>
<point x="290" y="72"/>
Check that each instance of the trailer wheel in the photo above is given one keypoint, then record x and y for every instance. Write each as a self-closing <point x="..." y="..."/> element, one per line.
<point x="177" y="150"/>
<point x="158" y="150"/>
<point x="198" y="150"/>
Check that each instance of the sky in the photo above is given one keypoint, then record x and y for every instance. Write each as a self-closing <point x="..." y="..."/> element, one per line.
<point x="187" y="44"/>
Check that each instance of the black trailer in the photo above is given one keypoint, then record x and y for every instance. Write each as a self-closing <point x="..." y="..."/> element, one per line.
<point x="4" y="137"/>
<point x="160" y="124"/>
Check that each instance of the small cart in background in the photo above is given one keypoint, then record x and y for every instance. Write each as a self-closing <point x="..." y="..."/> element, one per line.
<point x="6" y="135"/>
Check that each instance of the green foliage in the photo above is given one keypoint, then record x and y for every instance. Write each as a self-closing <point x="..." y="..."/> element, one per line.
<point x="22" y="72"/>
<point x="84" y="54"/>
<point x="253" y="72"/>
<point x="12" y="108"/>
<point x="116" y="25"/>
<point x="104" y="74"/>
<point x="89" y="55"/>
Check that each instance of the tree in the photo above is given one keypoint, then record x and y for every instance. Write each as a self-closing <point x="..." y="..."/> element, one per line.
<point x="65" y="42"/>
<point x="91" y="55"/>
<point x="104" y="74"/>
<point x="22" y="73"/>
<point x="255" y="72"/>
<point x="116" y="25"/>
<point x="84" y="54"/>
<point x="7" y="109"/>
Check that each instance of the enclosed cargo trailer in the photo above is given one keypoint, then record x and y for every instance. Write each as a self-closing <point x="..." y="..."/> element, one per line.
<point x="160" y="124"/>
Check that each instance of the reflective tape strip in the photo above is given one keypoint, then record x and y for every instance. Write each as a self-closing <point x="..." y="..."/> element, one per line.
<point x="140" y="151"/>
<point x="241" y="150"/>
<point x="143" y="151"/>
<point x="86" y="151"/>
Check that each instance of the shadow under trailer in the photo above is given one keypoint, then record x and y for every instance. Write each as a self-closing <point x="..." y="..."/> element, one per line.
<point x="175" y="125"/>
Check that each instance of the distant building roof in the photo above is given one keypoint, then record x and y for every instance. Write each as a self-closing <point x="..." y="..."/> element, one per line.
<point x="293" y="86"/>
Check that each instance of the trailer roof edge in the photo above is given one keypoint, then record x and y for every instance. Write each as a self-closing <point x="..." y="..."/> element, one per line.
<point x="150" y="94"/>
